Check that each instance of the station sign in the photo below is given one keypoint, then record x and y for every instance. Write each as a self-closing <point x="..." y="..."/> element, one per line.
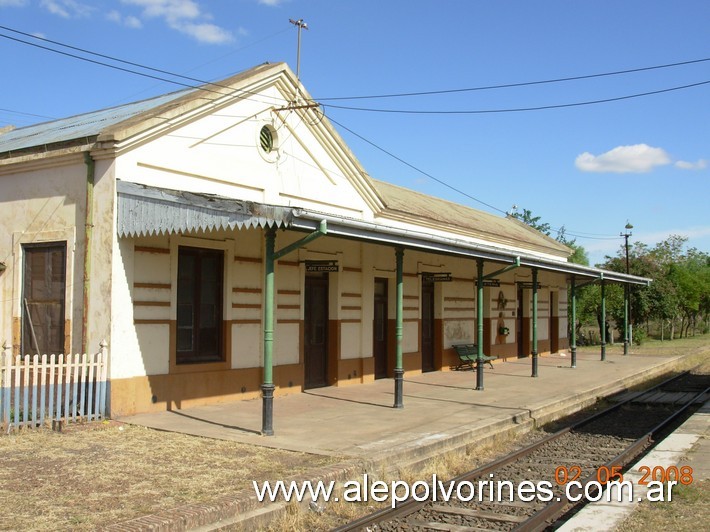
<point x="491" y="282"/>
<point x="320" y="266"/>
<point x="528" y="284"/>
<point x="432" y="277"/>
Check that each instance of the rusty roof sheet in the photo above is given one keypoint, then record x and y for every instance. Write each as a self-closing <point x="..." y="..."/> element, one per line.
<point x="414" y="207"/>
<point x="144" y="211"/>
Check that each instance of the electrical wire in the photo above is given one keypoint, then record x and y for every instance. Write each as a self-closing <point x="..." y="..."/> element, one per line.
<point x="451" y="187"/>
<point x="517" y="109"/>
<point x="203" y="84"/>
<point x="419" y="170"/>
<point x="25" y="114"/>
<point x="520" y="84"/>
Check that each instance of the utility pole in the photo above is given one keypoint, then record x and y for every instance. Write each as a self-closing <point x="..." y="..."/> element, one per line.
<point x="301" y="25"/>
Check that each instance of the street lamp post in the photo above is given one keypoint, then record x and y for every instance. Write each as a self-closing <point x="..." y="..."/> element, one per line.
<point x="627" y="301"/>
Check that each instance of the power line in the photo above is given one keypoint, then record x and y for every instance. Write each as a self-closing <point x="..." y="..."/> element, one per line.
<point x="517" y="109"/>
<point x="451" y="187"/>
<point x="203" y="83"/>
<point x="520" y="84"/>
<point x="25" y="114"/>
<point x="415" y="168"/>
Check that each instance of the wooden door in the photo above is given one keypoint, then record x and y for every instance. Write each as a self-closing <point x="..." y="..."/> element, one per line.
<point x="43" y="298"/>
<point x="315" y="346"/>
<point x="427" y="339"/>
<point x="379" y="329"/>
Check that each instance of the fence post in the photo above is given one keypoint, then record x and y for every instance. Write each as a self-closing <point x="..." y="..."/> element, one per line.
<point x="4" y="383"/>
<point x="102" y="378"/>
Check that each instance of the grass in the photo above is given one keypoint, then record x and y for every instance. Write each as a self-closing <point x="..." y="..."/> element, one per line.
<point x="687" y="511"/>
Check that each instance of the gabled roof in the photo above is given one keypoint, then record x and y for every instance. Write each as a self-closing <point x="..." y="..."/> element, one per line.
<point x="84" y="126"/>
<point x="112" y="122"/>
<point x="414" y="207"/>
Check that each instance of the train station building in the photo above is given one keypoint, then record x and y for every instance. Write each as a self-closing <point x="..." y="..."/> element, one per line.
<point x="228" y="245"/>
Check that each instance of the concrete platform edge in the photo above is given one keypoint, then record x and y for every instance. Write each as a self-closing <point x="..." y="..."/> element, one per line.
<point x="244" y="511"/>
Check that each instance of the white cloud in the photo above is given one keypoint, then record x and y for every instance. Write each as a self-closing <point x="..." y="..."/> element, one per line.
<point x="67" y="8"/>
<point x="639" y="158"/>
<point x="129" y="21"/>
<point x="13" y="3"/>
<point x="185" y="16"/>
<point x="271" y="2"/>
<point x="207" y="33"/>
<point x="700" y="164"/>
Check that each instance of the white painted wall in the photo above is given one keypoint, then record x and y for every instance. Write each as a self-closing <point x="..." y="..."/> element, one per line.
<point x="42" y="204"/>
<point x="220" y="153"/>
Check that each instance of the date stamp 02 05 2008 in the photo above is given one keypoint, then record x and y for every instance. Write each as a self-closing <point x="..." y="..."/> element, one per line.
<point x="654" y="478"/>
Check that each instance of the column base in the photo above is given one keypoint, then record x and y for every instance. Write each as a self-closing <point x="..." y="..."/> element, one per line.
<point x="398" y="388"/>
<point x="267" y="409"/>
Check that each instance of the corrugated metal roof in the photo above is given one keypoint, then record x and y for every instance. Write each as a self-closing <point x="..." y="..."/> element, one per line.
<point x="86" y="125"/>
<point x="146" y="211"/>
<point x="416" y="206"/>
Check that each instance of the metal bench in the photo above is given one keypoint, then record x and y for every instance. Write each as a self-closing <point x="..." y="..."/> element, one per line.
<point x="468" y="356"/>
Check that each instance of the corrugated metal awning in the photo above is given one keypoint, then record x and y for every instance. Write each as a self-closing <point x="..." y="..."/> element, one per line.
<point x="144" y="211"/>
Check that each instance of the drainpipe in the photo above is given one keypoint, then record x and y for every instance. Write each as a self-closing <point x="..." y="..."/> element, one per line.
<point x="88" y="233"/>
<point x="573" y="347"/>
<point x="399" y="370"/>
<point x="534" y="323"/>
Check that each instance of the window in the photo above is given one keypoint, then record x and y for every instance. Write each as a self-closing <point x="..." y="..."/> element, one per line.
<point x="266" y="139"/>
<point x="268" y="143"/>
<point x="199" y="305"/>
<point x="43" y="298"/>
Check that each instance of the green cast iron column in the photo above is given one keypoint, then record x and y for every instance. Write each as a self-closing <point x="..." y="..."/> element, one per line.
<point x="573" y="332"/>
<point x="603" y="331"/>
<point x="534" y="323"/>
<point x="626" y="319"/>
<point x="267" y="388"/>
<point x="399" y="370"/>
<point x="479" y="323"/>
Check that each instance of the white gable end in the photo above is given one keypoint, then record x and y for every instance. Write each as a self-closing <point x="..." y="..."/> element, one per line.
<point x="219" y="151"/>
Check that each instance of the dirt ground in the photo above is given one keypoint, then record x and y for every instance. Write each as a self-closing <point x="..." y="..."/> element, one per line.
<point x="110" y="472"/>
<point x="104" y="473"/>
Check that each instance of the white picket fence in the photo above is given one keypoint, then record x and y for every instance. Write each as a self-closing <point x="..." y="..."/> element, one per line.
<point x="50" y="389"/>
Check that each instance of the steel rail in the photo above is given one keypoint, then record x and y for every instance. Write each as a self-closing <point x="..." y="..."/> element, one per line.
<point x="554" y="510"/>
<point x="412" y="505"/>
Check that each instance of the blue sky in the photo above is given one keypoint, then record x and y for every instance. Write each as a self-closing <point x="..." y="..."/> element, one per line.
<point x="589" y="168"/>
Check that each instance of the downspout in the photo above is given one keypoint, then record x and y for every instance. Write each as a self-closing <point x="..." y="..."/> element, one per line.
<point x="88" y="237"/>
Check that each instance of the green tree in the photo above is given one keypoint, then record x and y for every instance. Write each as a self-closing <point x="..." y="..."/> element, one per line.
<point x="679" y="294"/>
<point x="533" y="221"/>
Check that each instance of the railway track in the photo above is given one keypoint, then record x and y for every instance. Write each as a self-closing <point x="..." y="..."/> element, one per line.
<point x="589" y="451"/>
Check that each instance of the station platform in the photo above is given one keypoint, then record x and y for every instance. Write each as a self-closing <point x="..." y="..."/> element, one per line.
<point x="442" y="410"/>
